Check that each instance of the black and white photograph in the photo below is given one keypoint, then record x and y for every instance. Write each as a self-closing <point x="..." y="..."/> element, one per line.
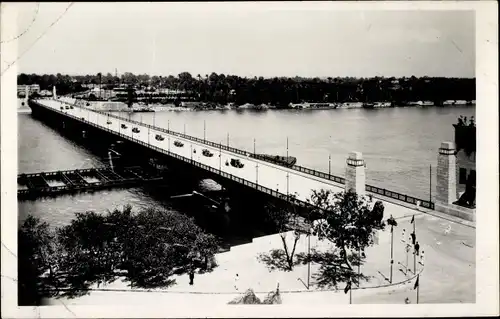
<point x="180" y="156"/>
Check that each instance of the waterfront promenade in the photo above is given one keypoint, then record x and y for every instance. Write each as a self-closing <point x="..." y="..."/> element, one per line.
<point x="448" y="274"/>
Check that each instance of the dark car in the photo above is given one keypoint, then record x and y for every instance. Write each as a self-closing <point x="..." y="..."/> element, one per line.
<point x="67" y="107"/>
<point x="207" y="153"/>
<point x="109" y="122"/>
<point x="236" y="163"/>
<point x="124" y="126"/>
<point x="158" y="137"/>
<point x="71" y="107"/>
<point x="135" y="130"/>
<point x="178" y="144"/>
<point x="62" y="108"/>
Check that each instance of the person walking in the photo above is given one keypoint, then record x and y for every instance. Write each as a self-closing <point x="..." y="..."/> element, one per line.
<point x="413" y="238"/>
<point x="191" y="277"/>
<point x="236" y="281"/>
<point x="417" y="248"/>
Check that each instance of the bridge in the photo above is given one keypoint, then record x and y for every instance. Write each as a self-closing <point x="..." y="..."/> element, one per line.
<point x="252" y="170"/>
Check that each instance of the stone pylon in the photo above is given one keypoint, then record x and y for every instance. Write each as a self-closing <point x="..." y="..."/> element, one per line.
<point x="446" y="186"/>
<point x="355" y="177"/>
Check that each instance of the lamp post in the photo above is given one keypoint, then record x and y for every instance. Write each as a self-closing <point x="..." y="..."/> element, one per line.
<point x="168" y="126"/>
<point x="287" y="148"/>
<point x="228" y="140"/>
<point x="392" y="222"/>
<point x="329" y="165"/>
<point x="154" y="116"/>
<point x="204" y="130"/>
<point x="254" y="147"/>
<point x="220" y="156"/>
<point x="184" y="128"/>
<point x="257" y="173"/>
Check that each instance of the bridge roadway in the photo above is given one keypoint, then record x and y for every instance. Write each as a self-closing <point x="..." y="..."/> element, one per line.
<point x="272" y="176"/>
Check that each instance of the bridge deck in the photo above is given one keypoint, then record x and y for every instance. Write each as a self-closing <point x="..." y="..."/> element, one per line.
<point x="264" y="175"/>
<point x="62" y="182"/>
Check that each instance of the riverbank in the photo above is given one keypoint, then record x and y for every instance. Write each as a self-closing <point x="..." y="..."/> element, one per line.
<point x="109" y="106"/>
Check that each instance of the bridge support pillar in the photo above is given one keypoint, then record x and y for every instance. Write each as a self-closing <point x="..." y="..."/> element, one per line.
<point x="355" y="177"/>
<point x="54" y="93"/>
<point x="446" y="174"/>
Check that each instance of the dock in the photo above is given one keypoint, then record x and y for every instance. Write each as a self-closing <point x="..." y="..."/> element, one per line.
<point x="45" y="184"/>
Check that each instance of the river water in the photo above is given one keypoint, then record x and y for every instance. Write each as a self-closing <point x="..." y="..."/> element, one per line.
<point x="398" y="144"/>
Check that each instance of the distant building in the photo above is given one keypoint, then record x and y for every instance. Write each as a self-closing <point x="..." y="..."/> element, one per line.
<point x="22" y="89"/>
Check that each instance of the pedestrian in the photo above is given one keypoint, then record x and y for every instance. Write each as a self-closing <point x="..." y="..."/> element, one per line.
<point x="417" y="248"/>
<point x="422" y="258"/>
<point x="191" y="276"/>
<point x="407" y="300"/>
<point x="413" y="237"/>
<point x="236" y="280"/>
<point x="403" y="236"/>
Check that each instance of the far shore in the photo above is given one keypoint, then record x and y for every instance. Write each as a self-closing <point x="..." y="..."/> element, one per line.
<point x="109" y="106"/>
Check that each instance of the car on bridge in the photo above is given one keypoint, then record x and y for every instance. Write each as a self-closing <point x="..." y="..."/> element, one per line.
<point x="158" y="137"/>
<point x="236" y="163"/>
<point x="71" y="107"/>
<point x="109" y="122"/>
<point x="62" y="108"/>
<point x="124" y="126"/>
<point x="207" y="153"/>
<point x="135" y="130"/>
<point x="178" y="144"/>
<point x="67" y="107"/>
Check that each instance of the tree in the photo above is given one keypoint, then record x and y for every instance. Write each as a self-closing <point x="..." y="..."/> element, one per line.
<point x="35" y="258"/>
<point x="349" y="223"/>
<point x="286" y="221"/>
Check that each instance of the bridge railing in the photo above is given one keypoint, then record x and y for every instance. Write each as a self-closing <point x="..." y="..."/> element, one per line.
<point x="340" y="180"/>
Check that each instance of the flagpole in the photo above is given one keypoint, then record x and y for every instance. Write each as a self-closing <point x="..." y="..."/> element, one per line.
<point x="414" y="251"/>
<point x="418" y="286"/>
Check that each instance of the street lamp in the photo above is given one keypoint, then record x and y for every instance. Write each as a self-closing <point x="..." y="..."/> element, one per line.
<point x="254" y="147"/>
<point x="392" y="222"/>
<point x="204" y="130"/>
<point x="257" y="173"/>
<point x="329" y="165"/>
<point x="184" y="128"/>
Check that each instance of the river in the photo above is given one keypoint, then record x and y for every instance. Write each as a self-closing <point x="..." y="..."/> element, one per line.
<point x="398" y="144"/>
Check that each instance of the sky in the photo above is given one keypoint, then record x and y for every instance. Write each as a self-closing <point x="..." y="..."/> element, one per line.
<point x="246" y="39"/>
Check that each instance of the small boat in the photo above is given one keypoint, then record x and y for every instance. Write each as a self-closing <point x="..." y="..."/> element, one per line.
<point x="135" y="130"/>
<point x="178" y="144"/>
<point x="207" y="153"/>
<point x="158" y="137"/>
